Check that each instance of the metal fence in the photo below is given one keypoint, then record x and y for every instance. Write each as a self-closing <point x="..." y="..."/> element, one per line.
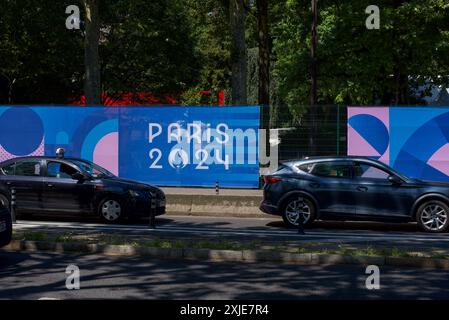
<point x="293" y="125"/>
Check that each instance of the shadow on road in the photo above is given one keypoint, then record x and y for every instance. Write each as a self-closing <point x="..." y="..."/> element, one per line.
<point x="30" y="276"/>
<point x="246" y="224"/>
<point x="36" y="275"/>
<point x="354" y="225"/>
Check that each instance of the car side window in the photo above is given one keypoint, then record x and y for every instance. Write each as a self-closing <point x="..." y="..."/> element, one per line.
<point x="362" y="170"/>
<point x="60" y="170"/>
<point x="332" y="170"/>
<point x="305" y="167"/>
<point x="8" y="170"/>
<point x="28" y="168"/>
<point x="89" y="169"/>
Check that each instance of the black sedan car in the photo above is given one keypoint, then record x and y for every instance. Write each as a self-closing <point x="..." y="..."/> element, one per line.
<point x="71" y="185"/>
<point x="353" y="188"/>
<point x="5" y="226"/>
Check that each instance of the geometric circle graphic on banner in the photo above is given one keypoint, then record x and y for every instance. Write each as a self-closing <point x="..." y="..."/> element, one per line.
<point x="372" y="130"/>
<point x="21" y="131"/>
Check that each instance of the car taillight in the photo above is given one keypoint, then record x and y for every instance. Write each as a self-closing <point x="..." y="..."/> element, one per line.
<point x="271" y="180"/>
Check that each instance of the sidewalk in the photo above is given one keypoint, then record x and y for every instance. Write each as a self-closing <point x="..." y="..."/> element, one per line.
<point x="206" y="202"/>
<point x="212" y="192"/>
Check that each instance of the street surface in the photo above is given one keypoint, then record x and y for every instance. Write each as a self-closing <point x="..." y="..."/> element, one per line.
<point x="264" y="229"/>
<point x="42" y="276"/>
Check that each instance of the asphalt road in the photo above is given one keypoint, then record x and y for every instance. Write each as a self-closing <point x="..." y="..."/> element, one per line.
<point x="271" y="229"/>
<point x="42" y="276"/>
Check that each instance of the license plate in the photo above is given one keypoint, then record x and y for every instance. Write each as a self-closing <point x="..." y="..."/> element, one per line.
<point x="2" y="226"/>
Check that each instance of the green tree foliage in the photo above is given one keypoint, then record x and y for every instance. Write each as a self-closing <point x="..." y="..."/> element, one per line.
<point x="356" y="65"/>
<point x="147" y="46"/>
<point x="144" y="46"/>
<point x="180" y="47"/>
<point x="210" y="29"/>
<point x="40" y="60"/>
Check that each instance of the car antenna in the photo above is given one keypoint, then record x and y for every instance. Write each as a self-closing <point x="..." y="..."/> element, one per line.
<point x="60" y="152"/>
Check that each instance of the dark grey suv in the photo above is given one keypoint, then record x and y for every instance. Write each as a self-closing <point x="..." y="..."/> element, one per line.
<point x="353" y="188"/>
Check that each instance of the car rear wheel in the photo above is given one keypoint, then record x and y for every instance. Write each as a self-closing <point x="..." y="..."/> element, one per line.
<point x="295" y="206"/>
<point x="433" y="216"/>
<point x="111" y="210"/>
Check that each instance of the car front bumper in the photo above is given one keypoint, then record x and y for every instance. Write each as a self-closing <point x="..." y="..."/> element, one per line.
<point x="143" y="208"/>
<point x="159" y="211"/>
<point x="158" y="207"/>
<point x="5" y="229"/>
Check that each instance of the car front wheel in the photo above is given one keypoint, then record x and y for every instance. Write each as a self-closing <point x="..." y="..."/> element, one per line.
<point x="295" y="206"/>
<point x="111" y="210"/>
<point x="432" y="216"/>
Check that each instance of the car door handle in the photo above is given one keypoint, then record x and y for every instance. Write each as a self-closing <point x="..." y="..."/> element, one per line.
<point x="315" y="185"/>
<point x="50" y="185"/>
<point x="8" y="183"/>
<point x="361" y="188"/>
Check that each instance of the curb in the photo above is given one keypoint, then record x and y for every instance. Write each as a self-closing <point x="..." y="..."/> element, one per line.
<point x="248" y="256"/>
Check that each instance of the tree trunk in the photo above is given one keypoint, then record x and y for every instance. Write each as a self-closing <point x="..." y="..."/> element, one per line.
<point x="264" y="52"/>
<point x="11" y="84"/>
<point x="92" y="85"/>
<point x="313" y="130"/>
<point x="238" y="52"/>
<point x="264" y="59"/>
<point x="264" y="71"/>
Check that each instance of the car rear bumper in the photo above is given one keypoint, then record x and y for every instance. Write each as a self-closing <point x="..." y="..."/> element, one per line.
<point x="269" y="208"/>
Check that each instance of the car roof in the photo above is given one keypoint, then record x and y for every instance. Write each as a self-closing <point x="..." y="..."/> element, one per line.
<point x="41" y="158"/>
<point x="306" y="160"/>
<point x="314" y="159"/>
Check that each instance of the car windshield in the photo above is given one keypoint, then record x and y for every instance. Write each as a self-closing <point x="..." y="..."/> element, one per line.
<point x="92" y="169"/>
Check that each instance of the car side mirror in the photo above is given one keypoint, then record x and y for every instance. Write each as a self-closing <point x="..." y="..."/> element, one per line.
<point x="78" y="176"/>
<point x="394" y="179"/>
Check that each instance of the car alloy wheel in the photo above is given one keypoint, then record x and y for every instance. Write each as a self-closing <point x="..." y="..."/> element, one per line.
<point x="434" y="217"/>
<point x="296" y="207"/>
<point x="111" y="210"/>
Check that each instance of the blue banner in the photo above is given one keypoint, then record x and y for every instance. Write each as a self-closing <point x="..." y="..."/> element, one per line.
<point x="166" y="145"/>
<point x="412" y="139"/>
